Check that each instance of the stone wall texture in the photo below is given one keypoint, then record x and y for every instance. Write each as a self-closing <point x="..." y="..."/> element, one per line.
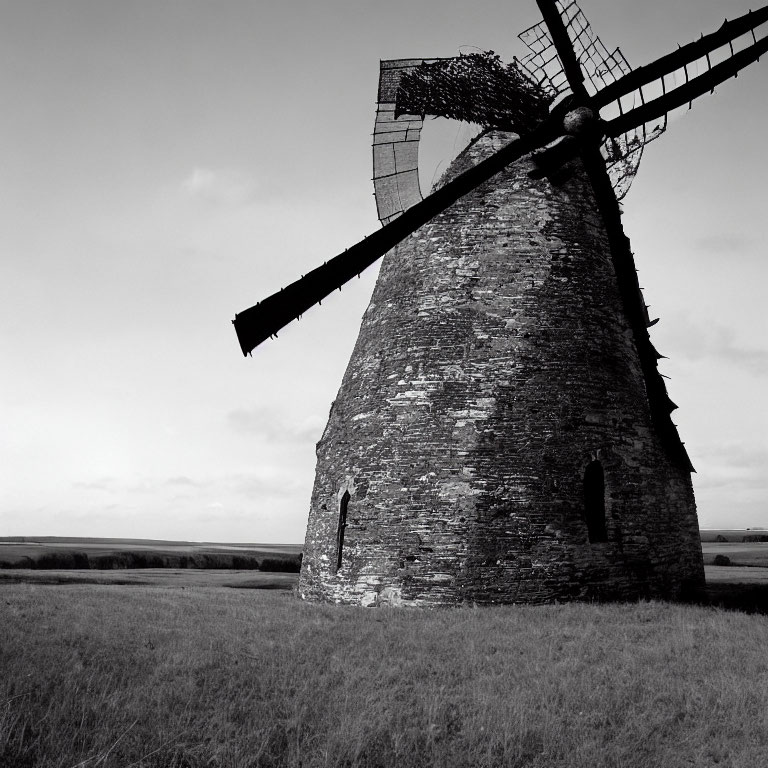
<point x="493" y="366"/>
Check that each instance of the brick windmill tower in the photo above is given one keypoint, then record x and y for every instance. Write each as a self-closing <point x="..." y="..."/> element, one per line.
<point x="502" y="433"/>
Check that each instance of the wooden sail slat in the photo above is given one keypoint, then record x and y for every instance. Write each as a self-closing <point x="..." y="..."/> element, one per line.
<point x="684" y="94"/>
<point x="683" y="56"/>
<point x="265" y="319"/>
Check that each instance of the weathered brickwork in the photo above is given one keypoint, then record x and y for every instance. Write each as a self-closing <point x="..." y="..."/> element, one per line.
<point x="494" y="364"/>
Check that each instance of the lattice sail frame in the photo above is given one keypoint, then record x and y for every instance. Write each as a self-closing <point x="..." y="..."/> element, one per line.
<point x="475" y="88"/>
<point x="721" y="55"/>
<point x="600" y="67"/>
<point x="395" y="145"/>
<point x="396" y="138"/>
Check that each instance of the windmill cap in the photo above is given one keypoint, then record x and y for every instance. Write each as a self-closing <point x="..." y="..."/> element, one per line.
<point x="579" y="121"/>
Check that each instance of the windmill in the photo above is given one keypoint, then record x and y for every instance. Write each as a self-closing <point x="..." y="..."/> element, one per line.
<point x="502" y="432"/>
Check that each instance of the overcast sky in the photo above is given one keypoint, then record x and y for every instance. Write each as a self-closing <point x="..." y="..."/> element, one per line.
<point x="167" y="163"/>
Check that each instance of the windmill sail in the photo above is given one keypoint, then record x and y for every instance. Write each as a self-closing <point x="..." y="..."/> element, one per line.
<point x="627" y="134"/>
<point x="693" y="70"/>
<point x="395" y="146"/>
<point x="600" y="68"/>
<point x="263" y="320"/>
<point x="474" y="88"/>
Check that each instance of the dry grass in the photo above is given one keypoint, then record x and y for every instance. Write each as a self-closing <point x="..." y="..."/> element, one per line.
<point x="155" y="577"/>
<point x="139" y="676"/>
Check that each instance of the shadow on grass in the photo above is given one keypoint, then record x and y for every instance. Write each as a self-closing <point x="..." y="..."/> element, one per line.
<point x="747" y="598"/>
<point x="161" y="577"/>
<point x="57" y="579"/>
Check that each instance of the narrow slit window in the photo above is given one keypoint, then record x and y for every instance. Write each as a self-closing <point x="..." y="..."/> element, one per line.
<point x="594" y="502"/>
<point x="340" y="530"/>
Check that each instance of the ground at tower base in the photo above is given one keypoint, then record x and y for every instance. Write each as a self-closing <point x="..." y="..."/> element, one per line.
<point x="169" y="675"/>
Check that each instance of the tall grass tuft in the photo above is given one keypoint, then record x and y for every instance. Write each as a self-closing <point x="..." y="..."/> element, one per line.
<point x="103" y="676"/>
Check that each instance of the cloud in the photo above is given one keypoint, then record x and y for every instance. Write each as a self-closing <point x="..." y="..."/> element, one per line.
<point x="738" y="467"/>
<point x="724" y="243"/>
<point x="182" y="480"/>
<point x="719" y="342"/>
<point x="103" y="484"/>
<point x="221" y="187"/>
<point x="274" y="426"/>
<point x="265" y="480"/>
<point x="267" y="502"/>
<point x="266" y="485"/>
<point x="736" y="455"/>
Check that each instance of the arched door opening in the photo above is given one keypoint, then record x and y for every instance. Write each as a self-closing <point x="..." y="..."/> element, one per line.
<point x="594" y="502"/>
<point x="340" y="530"/>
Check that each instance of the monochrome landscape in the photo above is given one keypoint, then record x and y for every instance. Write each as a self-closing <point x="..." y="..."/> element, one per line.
<point x="498" y="570"/>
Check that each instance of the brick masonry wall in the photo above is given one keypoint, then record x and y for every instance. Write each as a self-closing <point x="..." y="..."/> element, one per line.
<point x="493" y="364"/>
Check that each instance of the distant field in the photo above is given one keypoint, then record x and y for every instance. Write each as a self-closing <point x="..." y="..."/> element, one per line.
<point x="101" y="543"/>
<point x="733" y="535"/>
<point x="742" y="554"/>
<point x="58" y="560"/>
<point x="59" y="553"/>
<point x="747" y="555"/>
<point x="154" y="577"/>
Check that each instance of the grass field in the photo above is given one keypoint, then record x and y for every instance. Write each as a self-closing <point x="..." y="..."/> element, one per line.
<point x="189" y="668"/>
<point x="100" y="675"/>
